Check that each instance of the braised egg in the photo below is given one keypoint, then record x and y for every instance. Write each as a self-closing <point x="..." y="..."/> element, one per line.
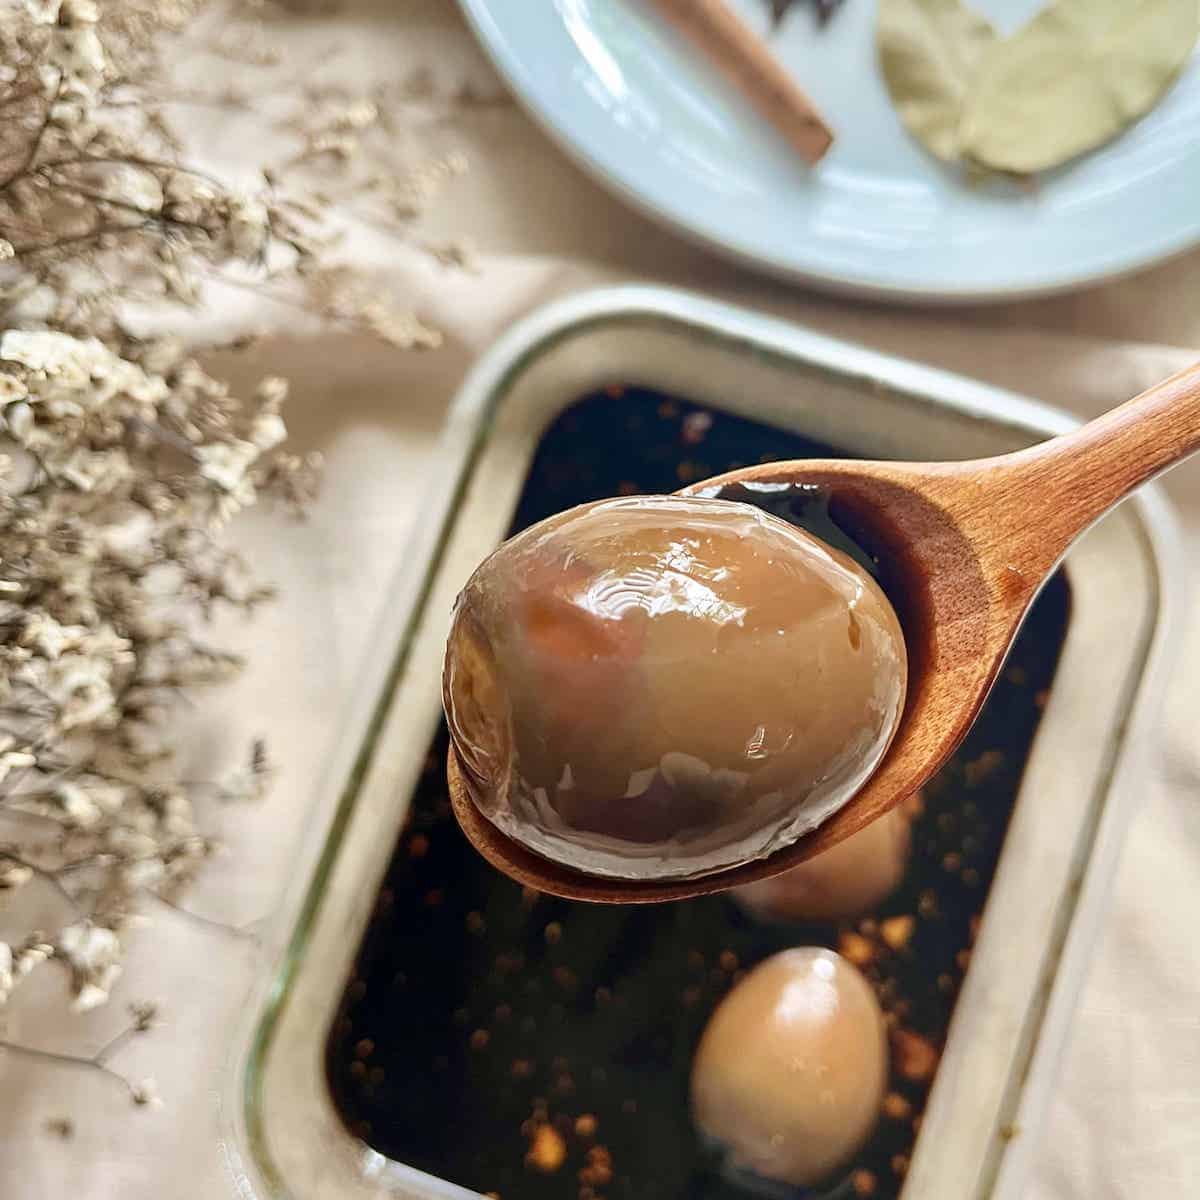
<point x="791" y="1069"/>
<point x="656" y="687"/>
<point x="847" y="879"/>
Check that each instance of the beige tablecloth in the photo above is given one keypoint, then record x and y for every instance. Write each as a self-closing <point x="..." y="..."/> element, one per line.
<point x="1126" y="1119"/>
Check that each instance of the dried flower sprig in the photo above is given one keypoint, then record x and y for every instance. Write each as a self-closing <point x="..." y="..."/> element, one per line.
<point x="121" y="458"/>
<point x="143" y="1092"/>
<point x="99" y="210"/>
<point x="96" y="206"/>
<point x="118" y="482"/>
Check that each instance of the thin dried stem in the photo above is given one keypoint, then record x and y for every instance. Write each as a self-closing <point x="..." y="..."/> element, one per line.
<point x="245" y="930"/>
<point x="50" y="878"/>
<point x="143" y="1016"/>
<point x="69" y="1060"/>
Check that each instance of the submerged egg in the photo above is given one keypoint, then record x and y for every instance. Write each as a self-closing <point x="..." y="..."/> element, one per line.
<point x="849" y="878"/>
<point x="791" y="1069"/>
<point x="659" y="687"/>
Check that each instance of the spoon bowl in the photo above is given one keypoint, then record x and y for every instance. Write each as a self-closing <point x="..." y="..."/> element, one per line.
<point x="963" y="550"/>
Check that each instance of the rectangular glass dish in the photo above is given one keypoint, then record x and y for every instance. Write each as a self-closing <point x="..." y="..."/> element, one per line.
<point x="286" y="1135"/>
<point x="518" y="1010"/>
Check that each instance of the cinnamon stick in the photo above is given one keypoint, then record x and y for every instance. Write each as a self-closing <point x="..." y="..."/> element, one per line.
<point x="744" y="59"/>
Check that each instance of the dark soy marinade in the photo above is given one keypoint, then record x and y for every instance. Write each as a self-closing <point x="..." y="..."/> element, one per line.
<point x="540" y="1049"/>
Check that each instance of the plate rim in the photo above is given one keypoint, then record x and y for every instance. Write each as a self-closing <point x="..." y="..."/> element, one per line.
<point x="1155" y="250"/>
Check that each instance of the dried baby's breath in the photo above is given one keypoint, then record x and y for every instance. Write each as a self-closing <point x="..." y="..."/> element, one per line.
<point x="122" y="458"/>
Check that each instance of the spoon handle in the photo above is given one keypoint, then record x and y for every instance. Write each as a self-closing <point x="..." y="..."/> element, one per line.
<point x="1053" y="491"/>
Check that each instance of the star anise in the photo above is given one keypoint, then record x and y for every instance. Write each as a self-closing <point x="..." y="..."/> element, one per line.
<point x="824" y="10"/>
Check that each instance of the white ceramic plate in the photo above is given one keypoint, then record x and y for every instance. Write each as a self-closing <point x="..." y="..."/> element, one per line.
<point x="878" y="216"/>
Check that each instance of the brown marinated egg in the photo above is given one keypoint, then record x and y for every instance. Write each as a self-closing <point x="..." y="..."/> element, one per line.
<point x="848" y="879"/>
<point x="791" y="1069"/>
<point x="658" y="687"/>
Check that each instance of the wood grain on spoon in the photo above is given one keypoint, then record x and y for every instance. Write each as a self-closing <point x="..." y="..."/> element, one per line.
<point x="963" y="548"/>
<point x="744" y="59"/>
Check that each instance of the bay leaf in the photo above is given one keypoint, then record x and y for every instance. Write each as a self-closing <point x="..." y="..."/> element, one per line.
<point x="1078" y="74"/>
<point x="929" y="53"/>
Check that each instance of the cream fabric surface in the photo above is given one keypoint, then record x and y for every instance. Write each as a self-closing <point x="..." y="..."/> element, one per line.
<point x="1125" y="1122"/>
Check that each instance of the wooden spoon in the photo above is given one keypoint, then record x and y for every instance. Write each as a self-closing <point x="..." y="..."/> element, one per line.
<point x="964" y="548"/>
